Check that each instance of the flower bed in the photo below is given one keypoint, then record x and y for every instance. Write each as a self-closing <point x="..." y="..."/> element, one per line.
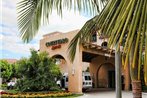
<point x="33" y="95"/>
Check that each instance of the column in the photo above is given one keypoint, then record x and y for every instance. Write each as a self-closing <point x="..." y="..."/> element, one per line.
<point x="75" y="73"/>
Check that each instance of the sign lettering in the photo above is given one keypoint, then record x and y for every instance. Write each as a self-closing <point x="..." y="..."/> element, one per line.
<point x="56" y="42"/>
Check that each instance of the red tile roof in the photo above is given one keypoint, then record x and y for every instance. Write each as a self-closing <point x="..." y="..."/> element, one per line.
<point x="11" y="61"/>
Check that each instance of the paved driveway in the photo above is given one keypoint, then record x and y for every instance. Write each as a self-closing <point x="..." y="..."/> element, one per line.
<point x="108" y="94"/>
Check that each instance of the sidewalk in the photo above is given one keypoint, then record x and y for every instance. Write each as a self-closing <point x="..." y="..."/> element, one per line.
<point x="109" y="94"/>
<point x="102" y="93"/>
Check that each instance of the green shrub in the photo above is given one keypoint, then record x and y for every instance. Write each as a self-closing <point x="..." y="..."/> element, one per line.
<point x="56" y="88"/>
<point x="37" y="73"/>
<point x="144" y="88"/>
<point x="6" y="70"/>
<point x="3" y="86"/>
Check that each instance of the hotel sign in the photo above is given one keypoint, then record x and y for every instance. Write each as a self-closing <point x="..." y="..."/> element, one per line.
<point x="57" y="43"/>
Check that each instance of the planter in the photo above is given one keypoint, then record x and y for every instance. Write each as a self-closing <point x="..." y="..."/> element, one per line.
<point x="136" y="88"/>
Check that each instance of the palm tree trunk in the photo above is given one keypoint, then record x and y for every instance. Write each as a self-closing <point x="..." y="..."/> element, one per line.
<point x="118" y="74"/>
<point x="136" y="88"/>
<point x="136" y="83"/>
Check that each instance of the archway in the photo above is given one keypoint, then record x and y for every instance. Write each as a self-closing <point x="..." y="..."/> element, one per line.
<point x="105" y="76"/>
<point x="104" y="44"/>
<point x="60" y="60"/>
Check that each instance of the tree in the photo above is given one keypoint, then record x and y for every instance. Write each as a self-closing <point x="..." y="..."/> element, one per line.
<point x="37" y="73"/>
<point x="6" y="70"/>
<point x="123" y="21"/>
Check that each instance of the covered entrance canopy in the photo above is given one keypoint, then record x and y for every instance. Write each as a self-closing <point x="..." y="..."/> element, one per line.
<point x="102" y="67"/>
<point x="91" y="51"/>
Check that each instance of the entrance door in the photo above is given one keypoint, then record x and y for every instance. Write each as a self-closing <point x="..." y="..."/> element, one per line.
<point x="62" y="83"/>
<point x="111" y="79"/>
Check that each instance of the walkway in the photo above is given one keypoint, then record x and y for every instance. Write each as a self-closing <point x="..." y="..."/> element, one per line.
<point x="108" y="94"/>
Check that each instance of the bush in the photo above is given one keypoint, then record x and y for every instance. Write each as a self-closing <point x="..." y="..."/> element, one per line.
<point x="6" y="70"/>
<point x="3" y="86"/>
<point x="37" y="73"/>
<point x="56" y="88"/>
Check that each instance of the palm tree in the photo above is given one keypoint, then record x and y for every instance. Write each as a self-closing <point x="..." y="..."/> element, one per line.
<point x="123" y="21"/>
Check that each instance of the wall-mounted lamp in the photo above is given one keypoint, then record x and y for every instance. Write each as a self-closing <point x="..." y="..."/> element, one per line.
<point x="73" y="71"/>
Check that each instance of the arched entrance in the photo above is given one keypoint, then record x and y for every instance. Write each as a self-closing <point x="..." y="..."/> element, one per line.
<point x="60" y="60"/>
<point x="105" y="76"/>
<point x="62" y="63"/>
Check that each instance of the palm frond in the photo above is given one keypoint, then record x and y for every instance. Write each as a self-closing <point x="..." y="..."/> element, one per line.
<point x="29" y="18"/>
<point x="125" y="23"/>
<point x="81" y="37"/>
<point x="33" y="13"/>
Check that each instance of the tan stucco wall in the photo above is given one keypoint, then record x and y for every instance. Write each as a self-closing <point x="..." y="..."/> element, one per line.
<point x="52" y="37"/>
<point x="103" y="75"/>
<point x="61" y="51"/>
<point x="96" y="64"/>
<point x="63" y="66"/>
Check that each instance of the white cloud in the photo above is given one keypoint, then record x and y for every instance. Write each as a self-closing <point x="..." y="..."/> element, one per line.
<point x="12" y="42"/>
<point x="10" y="35"/>
<point x="9" y="12"/>
<point x="1" y="37"/>
<point x="71" y="20"/>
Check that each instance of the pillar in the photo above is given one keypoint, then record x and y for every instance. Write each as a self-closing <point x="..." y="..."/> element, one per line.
<point x="75" y="73"/>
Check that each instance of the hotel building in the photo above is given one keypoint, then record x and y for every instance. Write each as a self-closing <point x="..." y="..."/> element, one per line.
<point x="94" y="54"/>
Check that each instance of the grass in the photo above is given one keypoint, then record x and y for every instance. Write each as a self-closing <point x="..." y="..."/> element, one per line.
<point x="72" y="96"/>
<point x="14" y="91"/>
<point x="77" y="95"/>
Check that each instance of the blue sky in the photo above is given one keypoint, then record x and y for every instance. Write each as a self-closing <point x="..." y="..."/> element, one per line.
<point x="11" y="45"/>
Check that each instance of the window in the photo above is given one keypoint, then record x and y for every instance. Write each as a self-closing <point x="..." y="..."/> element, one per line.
<point x="87" y="78"/>
<point x="104" y="44"/>
<point x="94" y="39"/>
<point x="66" y="79"/>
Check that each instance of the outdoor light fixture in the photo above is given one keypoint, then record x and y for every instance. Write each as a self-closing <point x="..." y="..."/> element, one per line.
<point x="73" y="71"/>
<point x="108" y="55"/>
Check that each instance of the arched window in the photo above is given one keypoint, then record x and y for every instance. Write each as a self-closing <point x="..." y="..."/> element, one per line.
<point x="104" y="44"/>
<point x="94" y="39"/>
